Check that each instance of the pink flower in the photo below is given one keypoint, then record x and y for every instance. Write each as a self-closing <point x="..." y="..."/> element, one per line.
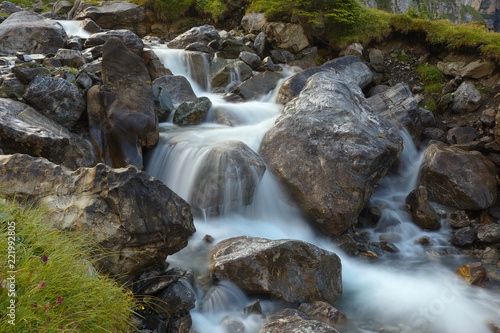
<point x="35" y="305"/>
<point x="59" y="299"/>
<point x="42" y="284"/>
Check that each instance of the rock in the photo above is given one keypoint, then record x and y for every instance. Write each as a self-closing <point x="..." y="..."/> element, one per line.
<point x="354" y="49"/>
<point x="457" y="178"/>
<point x="287" y="313"/>
<point x="251" y="59"/>
<point x="466" y="99"/>
<point x="267" y="64"/>
<point x="154" y="282"/>
<point x="281" y="57"/>
<point x="286" y="36"/>
<point x="294" y="324"/>
<point x="24" y="130"/>
<point x="444" y="102"/>
<point x="30" y="33"/>
<point x="74" y="43"/>
<point x="232" y="325"/>
<point x="489" y="233"/>
<point x="474" y="70"/>
<point x="473" y="273"/>
<point x="131" y="40"/>
<point x="8" y="8"/>
<point x="253" y="22"/>
<point x="163" y="103"/>
<point x="324" y="313"/>
<point x="116" y="15"/>
<point x="84" y="81"/>
<point x="398" y="105"/>
<point x="11" y="87"/>
<point x="377" y="60"/>
<point x="459" y="219"/>
<point x="135" y="230"/>
<point x="178" y="88"/>
<point x="222" y="70"/>
<point x="433" y="133"/>
<point x="57" y="99"/>
<point x="421" y="210"/>
<point x="260" y="44"/>
<point x="490" y="256"/>
<point x="70" y="58"/>
<point x="258" y="85"/>
<point x="180" y="325"/>
<point x="204" y="34"/>
<point x="121" y="111"/>
<point x="177" y="298"/>
<point x="378" y="89"/>
<point x="344" y="147"/>
<point x="199" y="65"/>
<point x="290" y="270"/>
<point x="389" y="247"/>
<point x="424" y="241"/>
<point x="349" y="67"/>
<point x="460" y="135"/>
<point x="254" y="308"/>
<point x="464" y="237"/>
<point x="230" y="174"/>
<point x="155" y="67"/>
<point x="192" y="113"/>
<point x="89" y="25"/>
<point x="200" y="47"/>
<point x="231" y="49"/>
<point x="62" y="7"/>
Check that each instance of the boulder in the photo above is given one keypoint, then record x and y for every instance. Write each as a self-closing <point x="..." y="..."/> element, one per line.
<point x="457" y="178"/>
<point x="286" y="36"/>
<point x="287" y="312"/>
<point x="349" y="67"/>
<point x="11" y="87"/>
<point x="323" y="312"/>
<point x="296" y="324"/>
<point x="9" y="8"/>
<point x="258" y="85"/>
<point x="474" y="70"/>
<point x="89" y="25"/>
<point x="199" y="67"/>
<point x="231" y="49"/>
<point x="200" y="47"/>
<point x="466" y="99"/>
<point x="62" y="7"/>
<point x="177" y="86"/>
<point x="267" y="64"/>
<point x="74" y="43"/>
<point x="354" y="49"/>
<point x="463" y="237"/>
<point x="30" y="33"/>
<point x="253" y="22"/>
<point x="25" y="75"/>
<point x="251" y="59"/>
<point x="473" y="273"/>
<point x="136" y="219"/>
<point x="398" y="105"/>
<point x="290" y="270"/>
<point x="260" y="44"/>
<point x="192" y="113"/>
<point x="24" y="130"/>
<point x="70" y="58"/>
<point x="121" y="111"/>
<point x="155" y="67"/>
<point x="489" y="233"/>
<point x="282" y="57"/>
<point x="223" y="70"/>
<point x="204" y="34"/>
<point x="377" y="60"/>
<point x="56" y="98"/>
<point x="460" y="135"/>
<point x="116" y="15"/>
<point x="459" y="219"/>
<point x="421" y="210"/>
<point x="345" y="148"/>
<point x="131" y="40"/>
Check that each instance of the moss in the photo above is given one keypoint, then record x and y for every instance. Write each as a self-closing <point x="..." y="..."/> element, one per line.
<point x="469" y="10"/>
<point x="430" y="74"/>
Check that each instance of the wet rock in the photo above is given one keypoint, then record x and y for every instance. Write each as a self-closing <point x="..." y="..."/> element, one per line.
<point x="231" y="49"/>
<point x="459" y="219"/>
<point x="473" y="273"/>
<point x="287" y="313"/>
<point x="251" y="59"/>
<point x="464" y="237"/>
<point x="350" y="68"/>
<point x="421" y="210"/>
<point x="155" y="67"/>
<point x="70" y="58"/>
<point x="222" y="69"/>
<point x="178" y="87"/>
<point x="260" y="44"/>
<point x="466" y="99"/>
<point x="258" y="85"/>
<point x="180" y="325"/>
<point x="11" y="87"/>
<point x="29" y="32"/>
<point x="425" y="241"/>
<point x="200" y="47"/>
<point x="253" y="22"/>
<point x="294" y="324"/>
<point x="324" y="313"/>
<point x="154" y="282"/>
<point x="254" y="308"/>
<point x="344" y="148"/>
<point x="192" y="113"/>
<point x="163" y="102"/>
<point x="74" y="43"/>
<point x="490" y="256"/>
<point x="26" y="131"/>
<point x="204" y="34"/>
<point x="457" y="178"/>
<point x="135" y="230"/>
<point x="55" y="98"/>
<point x="389" y="247"/>
<point x="377" y="60"/>
<point x="131" y="40"/>
<point x="286" y="36"/>
<point x="121" y="111"/>
<point x="489" y="233"/>
<point x="460" y="135"/>
<point x="89" y="25"/>
<point x="177" y="298"/>
<point x="232" y="325"/>
<point x="199" y="64"/>
<point x="267" y="64"/>
<point x="290" y="270"/>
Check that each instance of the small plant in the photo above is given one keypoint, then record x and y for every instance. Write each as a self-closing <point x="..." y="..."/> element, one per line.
<point x="433" y="88"/>
<point x="403" y="57"/>
<point x="429" y="74"/>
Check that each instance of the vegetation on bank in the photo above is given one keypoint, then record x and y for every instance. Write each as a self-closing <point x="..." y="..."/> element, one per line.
<point x="55" y="287"/>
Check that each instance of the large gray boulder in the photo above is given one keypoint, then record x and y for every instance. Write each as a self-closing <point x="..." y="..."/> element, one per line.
<point x="26" y="131"/>
<point x="290" y="270"/>
<point x="466" y="98"/>
<point x="253" y="22"/>
<point x="286" y="36"/>
<point x="121" y="111"/>
<point x="457" y="178"/>
<point x="343" y="146"/>
<point x="131" y="40"/>
<point x="258" y="85"/>
<point x="204" y="34"/>
<point x="350" y="68"/>
<point x="30" y="33"/>
<point x="135" y="230"/>
<point x="177" y="86"/>
<point x="56" y="99"/>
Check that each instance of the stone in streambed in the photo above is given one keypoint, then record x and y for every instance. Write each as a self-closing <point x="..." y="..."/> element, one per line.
<point x="192" y="113"/>
<point x="421" y="210"/>
<point x="295" y="324"/>
<point x="473" y="273"/>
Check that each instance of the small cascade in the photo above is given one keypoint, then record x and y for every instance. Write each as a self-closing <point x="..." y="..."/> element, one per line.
<point x="234" y="79"/>
<point x="198" y="67"/>
<point x="74" y="28"/>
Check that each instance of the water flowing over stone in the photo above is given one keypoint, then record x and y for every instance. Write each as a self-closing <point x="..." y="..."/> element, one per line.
<point x="457" y="178"/>
<point x="131" y="40"/>
<point x="31" y="33"/>
<point x="293" y="271"/>
<point x="344" y="147"/>
<point x="203" y="34"/>
<point x="135" y="217"/>
<point x="178" y="87"/>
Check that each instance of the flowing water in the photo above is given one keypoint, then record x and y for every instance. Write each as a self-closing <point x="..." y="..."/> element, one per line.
<point x="415" y="290"/>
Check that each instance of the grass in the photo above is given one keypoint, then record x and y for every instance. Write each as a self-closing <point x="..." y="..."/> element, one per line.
<point x="429" y="74"/>
<point x="56" y="288"/>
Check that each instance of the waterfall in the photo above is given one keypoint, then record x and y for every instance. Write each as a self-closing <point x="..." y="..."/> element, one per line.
<point x="74" y="28"/>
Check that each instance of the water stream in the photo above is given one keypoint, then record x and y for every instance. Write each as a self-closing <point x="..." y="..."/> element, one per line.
<point x="410" y="291"/>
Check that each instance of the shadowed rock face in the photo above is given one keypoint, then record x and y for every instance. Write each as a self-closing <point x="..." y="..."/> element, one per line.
<point x="121" y="112"/>
<point x="135" y="217"/>
<point x="344" y="149"/>
<point x="291" y="270"/>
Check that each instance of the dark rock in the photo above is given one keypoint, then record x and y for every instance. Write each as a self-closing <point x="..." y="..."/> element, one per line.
<point x="290" y="270"/>
<point x="388" y="247"/>
<point x="163" y="102"/>
<point x="200" y="47"/>
<point x="222" y="69"/>
<point x="9" y="8"/>
<point x="84" y="81"/>
<point x="192" y="113"/>
<point x="267" y="64"/>
<point x="369" y="216"/>
<point x="466" y="99"/>
<point x="427" y="117"/>
<point x="131" y="40"/>
<point x="379" y="88"/>
<point x="421" y="210"/>
<point x="324" y="313"/>
<point x="377" y="60"/>
<point x="464" y="237"/>
<point x="287" y="313"/>
<point x="286" y="36"/>
<point x="344" y="147"/>
<point x="89" y="25"/>
<point x="62" y="7"/>
<point x="203" y="34"/>
<point x="70" y="58"/>
<point x="155" y="67"/>
<point x="232" y="325"/>
<point x="11" y="87"/>
<point x="178" y="87"/>
<point x="74" y="43"/>
<point x="459" y="219"/>
<point x="260" y="44"/>
<point x="177" y="298"/>
<point x="433" y="133"/>
<point x="29" y="32"/>
<point x="460" y="135"/>
<point x="281" y="57"/>
<point x="231" y="49"/>
<point x="473" y="273"/>
<point x="24" y="130"/>
<point x="425" y="241"/>
<point x="258" y="85"/>
<point x="251" y="59"/>
<point x="444" y="102"/>
<point x="55" y="98"/>
<point x="199" y="65"/>
<point x="254" y="308"/>
<point x="489" y="233"/>
<point x="294" y="324"/>
<point x="487" y="121"/>
<point x="459" y="179"/>
<point x="490" y="256"/>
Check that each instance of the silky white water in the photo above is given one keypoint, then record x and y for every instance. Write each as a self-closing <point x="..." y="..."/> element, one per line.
<point x="411" y="291"/>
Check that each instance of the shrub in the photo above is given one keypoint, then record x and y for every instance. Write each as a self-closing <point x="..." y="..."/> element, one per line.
<point x="56" y="287"/>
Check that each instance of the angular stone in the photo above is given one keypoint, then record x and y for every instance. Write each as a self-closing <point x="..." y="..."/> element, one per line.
<point x="204" y="34"/>
<point x="222" y="70"/>
<point x="11" y="87"/>
<point x="460" y="135"/>
<point x="258" y="85"/>
<point x="178" y="87"/>
<point x="231" y="49"/>
<point x="192" y="113"/>
<point x="473" y="273"/>
<point x="200" y="47"/>
<point x="489" y="233"/>
<point x="294" y="324"/>
<point x="251" y="59"/>
<point x="70" y="58"/>
<point x="89" y="25"/>
<point x="377" y="60"/>
<point x="421" y="210"/>
<point x="466" y="99"/>
<point x="260" y="44"/>
<point x="131" y="40"/>
<point x="323" y="312"/>
<point x="286" y="36"/>
<point x="464" y="237"/>
<point x="253" y="22"/>
<point x="459" y="219"/>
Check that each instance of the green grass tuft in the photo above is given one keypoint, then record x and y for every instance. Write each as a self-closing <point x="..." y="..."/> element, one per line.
<point x="430" y="74"/>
